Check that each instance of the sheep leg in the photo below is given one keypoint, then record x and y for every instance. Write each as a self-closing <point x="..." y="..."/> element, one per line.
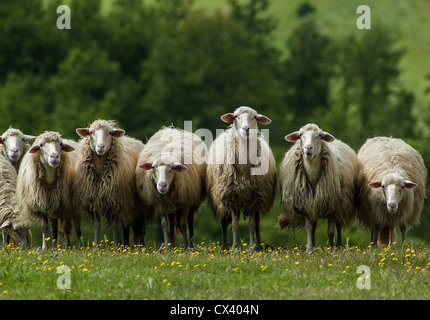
<point x="374" y="240"/>
<point x="183" y="219"/>
<point x="339" y="242"/>
<point x="310" y="227"/>
<point x="77" y="227"/>
<point x="403" y="231"/>
<point x="139" y="231"/>
<point x="126" y="235"/>
<point x="97" y="225"/>
<point x="393" y="236"/>
<point x="67" y="227"/>
<point x="224" y="225"/>
<point x="114" y="227"/>
<point x="191" y="225"/>
<point x="172" y="223"/>
<point x="257" y="231"/>
<point x="235" y="229"/>
<point x="165" y="226"/>
<point x="54" y="230"/>
<point x="330" y="232"/>
<point x="254" y="230"/>
<point x="44" y="233"/>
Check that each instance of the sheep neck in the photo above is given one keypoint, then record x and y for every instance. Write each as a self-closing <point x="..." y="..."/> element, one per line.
<point x="313" y="169"/>
<point x="50" y="174"/>
<point x="99" y="162"/>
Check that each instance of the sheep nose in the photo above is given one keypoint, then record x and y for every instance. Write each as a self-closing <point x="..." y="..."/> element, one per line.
<point x="14" y="150"/>
<point x="246" y="128"/>
<point x="162" y="184"/>
<point x="309" y="147"/>
<point x="54" y="155"/>
<point x="100" y="146"/>
<point x="392" y="205"/>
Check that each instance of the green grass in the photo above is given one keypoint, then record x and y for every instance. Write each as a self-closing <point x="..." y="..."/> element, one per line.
<point x="209" y="273"/>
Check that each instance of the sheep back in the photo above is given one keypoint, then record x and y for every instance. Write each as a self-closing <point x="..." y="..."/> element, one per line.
<point x="378" y="157"/>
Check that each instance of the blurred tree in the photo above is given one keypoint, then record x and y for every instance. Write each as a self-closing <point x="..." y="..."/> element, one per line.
<point x="25" y="103"/>
<point x="308" y="70"/>
<point x="252" y="15"/>
<point x="85" y="88"/>
<point x="217" y="66"/>
<point x="29" y="41"/>
<point x="369" y="72"/>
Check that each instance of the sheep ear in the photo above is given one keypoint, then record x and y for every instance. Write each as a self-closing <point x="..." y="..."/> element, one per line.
<point x="29" y="138"/>
<point x="293" y="137"/>
<point x="117" y="133"/>
<point x="410" y="184"/>
<point x="146" y="166"/>
<point x="67" y="148"/>
<point x="228" y="117"/>
<point x="327" y="137"/>
<point x="34" y="149"/>
<point x="263" y="119"/>
<point x="1" y="140"/>
<point x="377" y="184"/>
<point x="83" y="132"/>
<point x="6" y="224"/>
<point x="180" y="167"/>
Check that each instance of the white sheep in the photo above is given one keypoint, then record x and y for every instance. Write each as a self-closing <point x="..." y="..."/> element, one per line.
<point x="13" y="145"/>
<point x="392" y="183"/>
<point x="241" y="174"/>
<point x="172" y="180"/>
<point x="105" y="184"/>
<point x="318" y="180"/>
<point x="44" y="185"/>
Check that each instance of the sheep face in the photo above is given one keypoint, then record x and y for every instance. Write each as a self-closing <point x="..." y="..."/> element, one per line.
<point x="50" y="150"/>
<point x="310" y="136"/>
<point x="393" y="188"/>
<point x="163" y="173"/>
<point x="245" y="121"/>
<point x="101" y="133"/>
<point x="14" y="141"/>
<point x="18" y="233"/>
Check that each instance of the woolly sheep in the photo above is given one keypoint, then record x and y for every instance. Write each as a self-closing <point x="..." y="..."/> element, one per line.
<point x="241" y="174"/>
<point x="13" y="145"/>
<point x="172" y="180"/>
<point x="318" y="180"/>
<point x="105" y="184"/>
<point x="44" y="185"/>
<point x="392" y="181"/>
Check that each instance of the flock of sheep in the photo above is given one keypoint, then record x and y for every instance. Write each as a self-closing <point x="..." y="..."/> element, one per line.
<point x="112" y="178"/>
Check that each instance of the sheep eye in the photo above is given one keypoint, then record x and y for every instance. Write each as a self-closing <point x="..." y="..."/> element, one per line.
<point x="91" y="132"/>
<point x="41" y="145"/>
<point x="383" y="187"/>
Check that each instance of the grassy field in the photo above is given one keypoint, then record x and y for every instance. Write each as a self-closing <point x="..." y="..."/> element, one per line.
<point x="401" y="272"/>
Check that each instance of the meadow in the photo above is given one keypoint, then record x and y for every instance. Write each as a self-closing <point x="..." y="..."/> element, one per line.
<point x="398" y="272"/>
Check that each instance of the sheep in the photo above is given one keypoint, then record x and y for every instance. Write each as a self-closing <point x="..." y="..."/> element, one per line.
<point x="391" y="187"/>
<point x="172" y="180"/>
<point x="44" y="185"/>
<point x="318" y="177"/>
<point x="241" y="175"/>
<point x="105" y="178"/>
<point x="13" y="145"/>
